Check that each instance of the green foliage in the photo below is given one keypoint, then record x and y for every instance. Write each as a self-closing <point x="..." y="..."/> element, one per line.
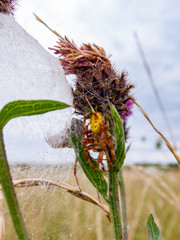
<point x="9" y="111"/>
<point x="27" y="108"/>
<point x="95" y="178"/>
<point x="153" y="230"/>
<point x="119" y="136"/>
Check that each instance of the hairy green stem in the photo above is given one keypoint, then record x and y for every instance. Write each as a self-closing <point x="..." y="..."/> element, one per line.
<point x="9" y="193"/>
<point x="114" y="205"/>
<point x="123" y="205"/>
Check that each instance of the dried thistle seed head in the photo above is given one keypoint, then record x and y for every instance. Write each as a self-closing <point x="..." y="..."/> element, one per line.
<point x="96" y="79"/>
<point x="7" y="6"/>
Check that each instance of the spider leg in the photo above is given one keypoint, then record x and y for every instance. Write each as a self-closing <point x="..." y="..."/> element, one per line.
<point x="100" y="160"/>
<point x="87" y="141"/>
<point x="103" y="144"/>
<point x="88" y="157"/>
<point x="85" y="127"/>
<point x="87" y="132"/>
<point x="109" y="143"/>
<point x="92" y="166"/>
<point x="111" y="146"/>
<point x="107" y="125"/>
<point x="75" y="174"/>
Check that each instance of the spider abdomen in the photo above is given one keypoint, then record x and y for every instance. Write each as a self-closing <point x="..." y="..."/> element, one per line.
<point x="97" y="121"/>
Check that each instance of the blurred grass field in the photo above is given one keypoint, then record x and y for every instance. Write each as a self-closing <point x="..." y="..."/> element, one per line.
<point x="52" y="214"/>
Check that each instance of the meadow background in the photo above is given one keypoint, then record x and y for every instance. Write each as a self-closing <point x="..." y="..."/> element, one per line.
<point x="50" y="213"/>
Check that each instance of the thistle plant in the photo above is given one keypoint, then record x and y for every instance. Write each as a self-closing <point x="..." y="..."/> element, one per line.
<point x="101" y="90"/>
<point x="8" y="6"/>
<point x="96" y="79"/>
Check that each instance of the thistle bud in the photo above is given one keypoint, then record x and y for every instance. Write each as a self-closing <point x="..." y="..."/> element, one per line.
<point x="96" y="79"/>
<point x="7" y="6"/>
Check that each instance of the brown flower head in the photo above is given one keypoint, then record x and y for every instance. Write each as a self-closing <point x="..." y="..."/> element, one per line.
<point x="7" y="6"/>
<point x="96" y="78"/>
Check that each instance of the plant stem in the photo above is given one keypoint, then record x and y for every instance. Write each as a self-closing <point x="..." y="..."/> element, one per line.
<point x="114" y="205"/>
<point x="123" y="205"/>
<point x="9" y="193"/>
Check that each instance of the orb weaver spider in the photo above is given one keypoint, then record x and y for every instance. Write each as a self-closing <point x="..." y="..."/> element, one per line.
<point x="97" y="138"/>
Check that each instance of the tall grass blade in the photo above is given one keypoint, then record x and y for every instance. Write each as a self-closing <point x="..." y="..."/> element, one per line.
<point x="162" y="136"/>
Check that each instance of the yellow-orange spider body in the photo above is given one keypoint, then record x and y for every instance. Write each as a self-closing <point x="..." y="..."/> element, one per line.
<point x="98" y="139"/>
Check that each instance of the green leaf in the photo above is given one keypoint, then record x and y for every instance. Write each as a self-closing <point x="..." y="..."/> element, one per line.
<point x="119" y="136"/>
<point x="9" y="111"/>
<point x="153" y="230"/>
<point x="95" y="178"/>
<point x="9" y="193"/>
<point x="27" y="108"/>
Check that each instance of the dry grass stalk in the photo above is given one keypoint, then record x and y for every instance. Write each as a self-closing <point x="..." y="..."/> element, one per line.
<point x="99" y="227"/>
<point x="162" y="183"/>
<point x="41" y="21"/>
<point x="162" y="136"/>
<point x="170" y="226"/>
<point x="2" y="225"/>
<point x="163" y="195"/>
<point x="138" y="211"/>
<point x="152" y="82"/>
<point x="70" y="189"/>
<point x="158" y="190"/>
